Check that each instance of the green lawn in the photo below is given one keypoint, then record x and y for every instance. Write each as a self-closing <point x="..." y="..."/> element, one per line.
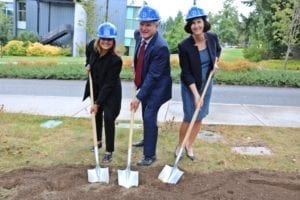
<point x="25" y="144"/>
<point x="232" y="54"/>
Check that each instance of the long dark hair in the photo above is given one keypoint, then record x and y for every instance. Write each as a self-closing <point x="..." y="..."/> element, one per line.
<point x="188" y="25"/>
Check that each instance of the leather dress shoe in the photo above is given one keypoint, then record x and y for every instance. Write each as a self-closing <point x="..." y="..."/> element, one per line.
<point x="146" y="161"/>
<point x="138" y="144"/>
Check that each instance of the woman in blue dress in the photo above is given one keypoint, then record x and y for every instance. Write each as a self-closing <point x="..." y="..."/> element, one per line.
<point x="198" y="55"/>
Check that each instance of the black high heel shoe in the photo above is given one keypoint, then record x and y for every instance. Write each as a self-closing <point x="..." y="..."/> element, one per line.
<point x="191" y="157"/>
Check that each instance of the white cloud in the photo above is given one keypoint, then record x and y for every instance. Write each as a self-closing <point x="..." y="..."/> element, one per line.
<point x="168" y="8"/>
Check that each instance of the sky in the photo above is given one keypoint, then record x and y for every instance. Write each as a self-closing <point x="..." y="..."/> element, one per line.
<point x="168" y="8"/>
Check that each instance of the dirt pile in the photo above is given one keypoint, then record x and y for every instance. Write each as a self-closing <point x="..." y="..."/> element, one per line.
<point x="70" y="182"/>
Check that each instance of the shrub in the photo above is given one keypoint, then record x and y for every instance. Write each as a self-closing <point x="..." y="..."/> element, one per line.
<point x="37" y="49"/>
<point x="15" y="48"/>
<point x="28" y="36"/>
<point x="236" y="65"/>
<point x="254" y="54"/>
<point x="127" y="61"/>
<point x="121" y="49"/>
<point x="174" y="60"/>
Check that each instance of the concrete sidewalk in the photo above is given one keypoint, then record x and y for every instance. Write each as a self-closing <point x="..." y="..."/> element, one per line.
<point x="230" y="114"/>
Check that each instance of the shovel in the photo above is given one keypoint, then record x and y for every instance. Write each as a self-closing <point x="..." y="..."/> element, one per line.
<point x="173" y="174"/>
<point x="98" y="174"/>
<point x="127" y="178"/>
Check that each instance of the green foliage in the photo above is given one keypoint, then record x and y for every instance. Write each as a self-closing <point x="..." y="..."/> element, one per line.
<point x="20" y="48"/>
<point x="233" y="69"/>
<point x="81" y="49"/>
<point x="37" y="49"/>
<point x="174" y="31"/>
<point x="275" y="78"/>
<point x="90" y="9"/>
<point x="254" y="54"/>
<point x="58" y="71"/>
<point x="15" y="48"/>
<point x="279" y="64"/>
<point x="226" y="24"/>
<point x="6" y="29"/>
<point x="26" y="36"/>
<point x="287" y="22"/>
<point x="267" y="24"/>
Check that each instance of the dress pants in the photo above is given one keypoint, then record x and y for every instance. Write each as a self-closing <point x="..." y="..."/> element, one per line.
<point x="149" y="114"/>
<point x="109" y="126"/>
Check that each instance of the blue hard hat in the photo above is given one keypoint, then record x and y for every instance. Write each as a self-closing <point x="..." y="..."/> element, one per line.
<point x="195" y="12"/>
<point x="107" y="30"/>
<point x="146" y="13"/>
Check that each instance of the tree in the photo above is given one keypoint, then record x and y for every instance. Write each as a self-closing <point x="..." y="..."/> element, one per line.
<point x="226" y="24"/>
<point x="90" y="8"/>
<point x="260" y="29"/>
<point x="174" y="31"/>
<point x="287" y="22"/>
<point x="6" y="26"/>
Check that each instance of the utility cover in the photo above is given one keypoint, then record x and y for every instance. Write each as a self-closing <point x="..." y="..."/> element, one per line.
<point x="51" y="123"/>
<point x="209" y="136"/>
<point x="251" y="151"/>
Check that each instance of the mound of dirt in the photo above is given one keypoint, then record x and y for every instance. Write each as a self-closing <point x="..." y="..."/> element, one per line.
<point x="70" y="182"/>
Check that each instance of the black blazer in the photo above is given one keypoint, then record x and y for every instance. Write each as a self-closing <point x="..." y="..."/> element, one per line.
<point x="189" y="58"/>
<point x="105" y="72"/>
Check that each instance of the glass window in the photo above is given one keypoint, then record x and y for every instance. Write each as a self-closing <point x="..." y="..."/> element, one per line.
<point x="9" y="13"/>
<point x="129" y="13"/>
<point x="129" y="24"/>
<point x="132" y="43"/>
<point x="22" y="11"/>
<point x="127" y="42"/>
<point x="135" y="13"/>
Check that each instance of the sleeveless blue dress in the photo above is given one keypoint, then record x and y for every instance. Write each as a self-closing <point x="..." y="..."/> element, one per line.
<point x="187" y="95"/>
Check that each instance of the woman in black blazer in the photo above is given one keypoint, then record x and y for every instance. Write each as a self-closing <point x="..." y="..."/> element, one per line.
<point x="105" y="66"/>
<point x="198" y="55"/>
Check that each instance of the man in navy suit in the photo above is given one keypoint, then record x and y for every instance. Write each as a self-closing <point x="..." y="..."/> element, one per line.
<point x="152" y="79"/>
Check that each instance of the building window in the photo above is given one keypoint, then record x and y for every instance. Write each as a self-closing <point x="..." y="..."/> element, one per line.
<point x="22" y="11"/>
<point x="8" y="9"/>
<point x="131" y="18"/>
<point x="129" y="13"/>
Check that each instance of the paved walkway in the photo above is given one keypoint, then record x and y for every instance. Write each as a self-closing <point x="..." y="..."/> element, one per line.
<point x="231" y="114"/>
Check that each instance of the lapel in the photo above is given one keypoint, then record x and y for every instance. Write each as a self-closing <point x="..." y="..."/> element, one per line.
<point x="137" y="50"/>
<point x="149" y="48"/>
<point x="195" y="57"/>
<point x="209" y="44"/>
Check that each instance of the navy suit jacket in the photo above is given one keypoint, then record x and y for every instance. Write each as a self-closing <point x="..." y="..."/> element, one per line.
<point x="156" y="86"/>
<point x="189" y="58"/>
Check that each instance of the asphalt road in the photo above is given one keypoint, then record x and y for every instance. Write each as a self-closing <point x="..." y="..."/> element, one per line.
<point x="227" y="94"/>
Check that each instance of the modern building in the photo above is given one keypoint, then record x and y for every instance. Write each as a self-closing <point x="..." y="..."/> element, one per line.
<point x="131" y="25"/>
<point x="63" y="22"/>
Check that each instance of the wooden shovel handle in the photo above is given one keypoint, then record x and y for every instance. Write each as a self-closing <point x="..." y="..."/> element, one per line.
<point x="93" y="114"/>
<point x="196" y="112"/>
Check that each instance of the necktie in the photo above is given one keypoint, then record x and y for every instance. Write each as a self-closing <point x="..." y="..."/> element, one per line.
<point x="139" y="65"/>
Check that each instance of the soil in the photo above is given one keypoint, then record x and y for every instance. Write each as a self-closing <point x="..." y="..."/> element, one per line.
<point x="70" y="182"/>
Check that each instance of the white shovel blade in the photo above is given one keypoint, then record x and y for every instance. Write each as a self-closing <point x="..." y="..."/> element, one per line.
<point x="98" y="175"/>
<point x="170" y="174"/>
<point x="127" y="178"/>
